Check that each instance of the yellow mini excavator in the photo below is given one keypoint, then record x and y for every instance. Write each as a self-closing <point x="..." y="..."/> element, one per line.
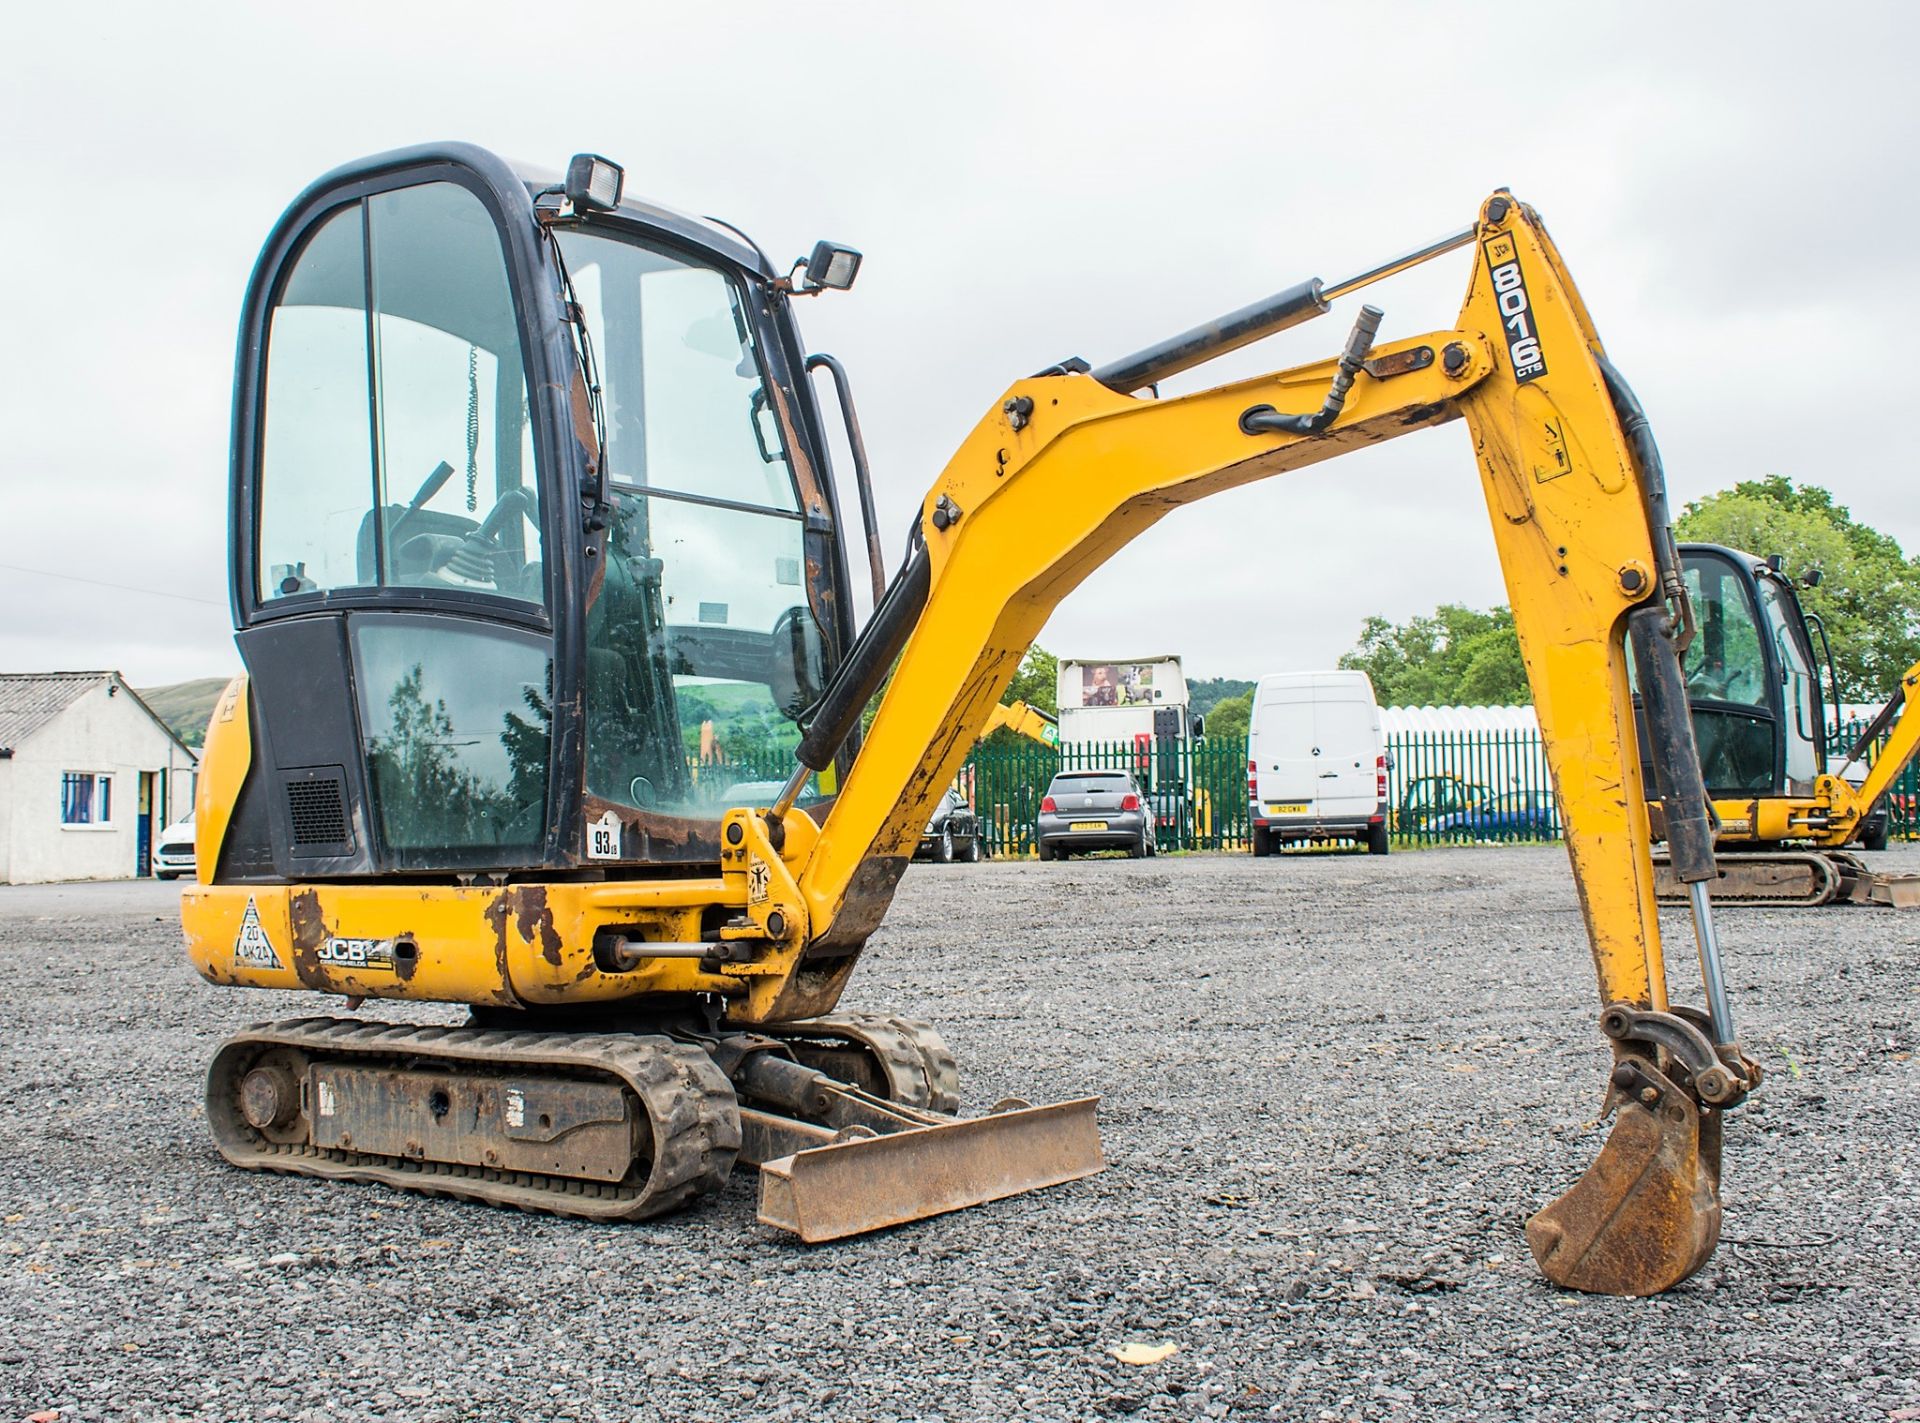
<point x="1783" y="817"/>
<point x="530" y="476"/>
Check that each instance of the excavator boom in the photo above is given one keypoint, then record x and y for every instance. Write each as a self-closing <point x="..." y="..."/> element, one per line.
<point x="654" y="990"/>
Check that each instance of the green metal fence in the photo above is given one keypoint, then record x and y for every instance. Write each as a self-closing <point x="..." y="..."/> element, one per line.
<point x="1453" y="787"/>
<point x="1469" y="786"/>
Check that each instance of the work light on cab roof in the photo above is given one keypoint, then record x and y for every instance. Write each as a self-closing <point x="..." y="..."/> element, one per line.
<point x="594" y="182"/>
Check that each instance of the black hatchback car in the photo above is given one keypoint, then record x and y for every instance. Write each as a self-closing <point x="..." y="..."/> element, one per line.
<point x="1093" y="810"/>
<point x="953" y="833"/>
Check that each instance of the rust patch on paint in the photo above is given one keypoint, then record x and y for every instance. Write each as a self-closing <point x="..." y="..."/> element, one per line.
<point x="534" y="919"/>
<point x="496" y="916"/>
<point x="309" y="936"/>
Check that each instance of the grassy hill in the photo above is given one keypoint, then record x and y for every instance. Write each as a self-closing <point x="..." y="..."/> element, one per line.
<point x="185" y="706"/>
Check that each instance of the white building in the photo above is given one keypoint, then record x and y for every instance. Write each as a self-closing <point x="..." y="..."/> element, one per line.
<point x="89" y="777"/>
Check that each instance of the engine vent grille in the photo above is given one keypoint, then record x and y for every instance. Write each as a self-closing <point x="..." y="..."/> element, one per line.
<point x="317" y="814"/>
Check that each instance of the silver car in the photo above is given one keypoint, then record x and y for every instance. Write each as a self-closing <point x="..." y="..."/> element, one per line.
<point x="1094" y="810"/>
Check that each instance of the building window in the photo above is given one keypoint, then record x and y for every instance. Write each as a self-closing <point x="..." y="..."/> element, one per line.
<point x="85" y="798"/>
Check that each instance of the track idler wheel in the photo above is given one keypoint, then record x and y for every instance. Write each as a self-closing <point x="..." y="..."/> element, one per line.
<point x="1647" y="1213"/>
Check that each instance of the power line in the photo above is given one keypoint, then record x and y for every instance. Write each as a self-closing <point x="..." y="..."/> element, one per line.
<point x="120" y="587"/>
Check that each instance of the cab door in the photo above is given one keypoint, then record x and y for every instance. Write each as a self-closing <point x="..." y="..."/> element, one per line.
<point x="393" y="581"/>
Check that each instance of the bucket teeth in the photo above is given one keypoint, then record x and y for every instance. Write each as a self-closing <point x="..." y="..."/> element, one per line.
<point x="1646" y="1214"/>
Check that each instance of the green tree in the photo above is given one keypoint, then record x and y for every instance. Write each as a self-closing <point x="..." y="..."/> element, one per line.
<point x="1453" y="656"/>
<point x="1205" y="694"/>
<point x="1037" y="682"/>
<point x="1229" y="717"/>
<point x="1869" y="593"/>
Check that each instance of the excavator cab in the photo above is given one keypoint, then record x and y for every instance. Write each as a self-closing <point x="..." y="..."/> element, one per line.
<point x="1762" y="700"/>
<point x="1751" y="676"/>
<point x="529" y="484"/>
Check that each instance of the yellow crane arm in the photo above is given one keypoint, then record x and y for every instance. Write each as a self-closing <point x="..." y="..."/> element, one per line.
<point x="1064" y="471"/>
<point x="1022" y="720"/>
<point x="1900" y="720"/>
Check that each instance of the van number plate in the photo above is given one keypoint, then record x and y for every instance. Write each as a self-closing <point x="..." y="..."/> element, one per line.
<point x="1291" y="808"/>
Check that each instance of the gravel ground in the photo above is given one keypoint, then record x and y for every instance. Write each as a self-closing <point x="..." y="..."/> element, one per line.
<point x="1334" y="1089"/>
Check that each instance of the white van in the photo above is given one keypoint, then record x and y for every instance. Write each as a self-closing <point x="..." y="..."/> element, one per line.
<point x="1316" y="761"/>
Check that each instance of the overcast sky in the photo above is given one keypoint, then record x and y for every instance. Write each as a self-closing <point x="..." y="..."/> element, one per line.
<point x="1733" y="189"/>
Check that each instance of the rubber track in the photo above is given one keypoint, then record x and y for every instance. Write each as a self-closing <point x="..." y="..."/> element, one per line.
<point x="687" y="1100"/>
<point x="919" y="1067"/>
<point x="1841" y="872"/>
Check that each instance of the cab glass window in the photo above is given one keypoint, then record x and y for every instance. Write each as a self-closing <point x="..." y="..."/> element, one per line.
<point x="457" y="718"/>
<point x="1801" y="689"/>
<point x="1734" y="726"/>
<point x="703" y="649"/>
<point x="396" y="444"/>
<point x="316" y="455"/>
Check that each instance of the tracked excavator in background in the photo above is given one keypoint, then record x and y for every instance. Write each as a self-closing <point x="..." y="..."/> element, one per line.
<point x="1783" y="817"/>
<point x="528" y="475"/>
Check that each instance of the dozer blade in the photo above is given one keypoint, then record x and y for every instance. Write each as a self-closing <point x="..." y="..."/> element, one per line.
<point x="1647" y="1213"/>
<point x="873" y="1182"/>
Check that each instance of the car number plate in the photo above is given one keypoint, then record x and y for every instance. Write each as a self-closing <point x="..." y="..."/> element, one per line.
<point x="1088" y="825"/>
<point x="1290" y="808"/>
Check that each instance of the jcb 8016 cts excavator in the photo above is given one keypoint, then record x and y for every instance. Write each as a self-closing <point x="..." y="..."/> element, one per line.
<point x="1760" y="713"/>
<point x="528" y="475"/>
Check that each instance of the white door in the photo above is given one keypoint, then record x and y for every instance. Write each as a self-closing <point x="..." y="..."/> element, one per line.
<point x="1345" y="770"/>
<point x="1287" y="779"/>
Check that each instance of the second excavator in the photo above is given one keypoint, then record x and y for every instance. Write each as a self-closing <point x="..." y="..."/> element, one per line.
<point x="528" y="477"/>
<point x="1783" y="816"/>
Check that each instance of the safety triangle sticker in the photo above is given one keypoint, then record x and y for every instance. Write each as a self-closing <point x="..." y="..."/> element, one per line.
<point x="252" y="946"/>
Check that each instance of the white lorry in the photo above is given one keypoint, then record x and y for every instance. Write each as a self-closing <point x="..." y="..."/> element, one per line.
<point x="1316" y="761"/>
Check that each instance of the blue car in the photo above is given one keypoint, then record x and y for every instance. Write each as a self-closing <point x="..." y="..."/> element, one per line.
<point x="1517" y="815"/>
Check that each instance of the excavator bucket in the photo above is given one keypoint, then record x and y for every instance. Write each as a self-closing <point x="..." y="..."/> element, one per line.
<point x="1647" y="1213"/>
<point x="871" y="1182"/>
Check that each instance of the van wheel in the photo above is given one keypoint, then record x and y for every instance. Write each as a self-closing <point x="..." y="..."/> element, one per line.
<point x="1377" y="839"/>
<point x="1876" y="838"/>
<point x="1262" y="846"/>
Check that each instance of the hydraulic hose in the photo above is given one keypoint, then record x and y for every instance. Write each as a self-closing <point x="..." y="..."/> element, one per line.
<point x="1265" y="420"/>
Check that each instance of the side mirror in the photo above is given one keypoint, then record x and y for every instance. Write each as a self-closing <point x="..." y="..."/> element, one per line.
<point x="1811" y="578"/>
<point x="832" y="266"/>
<point x="1199" y="727"/>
